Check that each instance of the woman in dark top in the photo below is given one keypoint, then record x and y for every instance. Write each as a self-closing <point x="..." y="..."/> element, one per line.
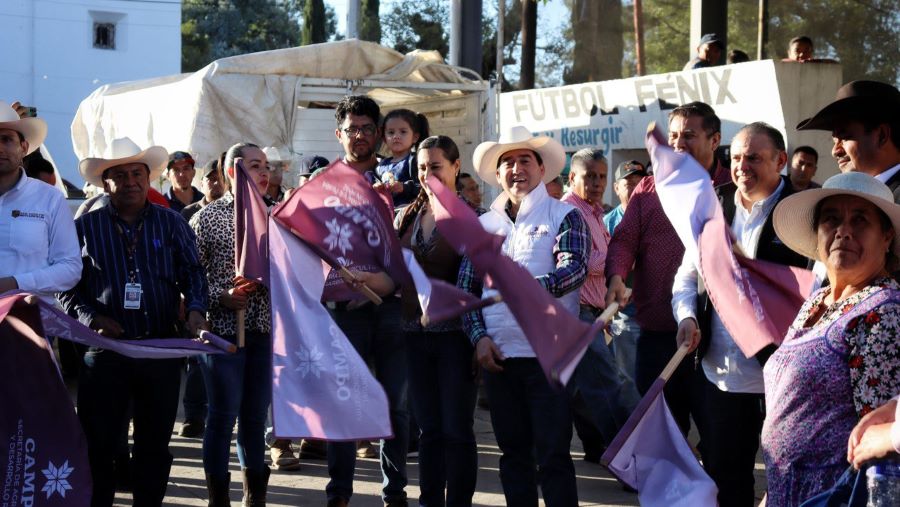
<point x="441" y="384"/>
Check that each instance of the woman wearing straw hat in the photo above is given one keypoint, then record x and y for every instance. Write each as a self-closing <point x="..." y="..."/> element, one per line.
<point x="840" y="358"/>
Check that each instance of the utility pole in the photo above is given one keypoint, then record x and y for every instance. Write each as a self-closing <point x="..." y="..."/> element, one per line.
<point x="465" y="34"/>
<point x="501" y="13"/>
<point x="353" y="19"/>
<point x="763" y="32"/>
<point x="639" y="36"/>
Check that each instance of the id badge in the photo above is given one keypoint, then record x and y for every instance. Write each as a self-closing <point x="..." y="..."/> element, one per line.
<point x="132" y="296"/>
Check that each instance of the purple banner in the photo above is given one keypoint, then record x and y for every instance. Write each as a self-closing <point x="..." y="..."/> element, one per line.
<point x="251" y="250"/>
<point x="321" y="386"/>
<point x="347" y="222"/>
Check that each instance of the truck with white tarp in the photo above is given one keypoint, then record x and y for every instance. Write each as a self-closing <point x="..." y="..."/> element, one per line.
<point x="284" y="98"/>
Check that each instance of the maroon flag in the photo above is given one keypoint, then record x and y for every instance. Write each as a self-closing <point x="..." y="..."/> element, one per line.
<point x="756" y="300"/>
<point x="44" y="458"/>
<point x="651" y="455"/>
<point x="251" y="250"/>
<point x="348" y="224"/>
<point x="558" y="338"/>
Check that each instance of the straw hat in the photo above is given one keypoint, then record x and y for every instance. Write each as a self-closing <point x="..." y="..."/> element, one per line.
<point x="124" y="151"/>
<point x="33" y="129"/>
<point x="794" y="215"/>
<point x="488" y="153"/>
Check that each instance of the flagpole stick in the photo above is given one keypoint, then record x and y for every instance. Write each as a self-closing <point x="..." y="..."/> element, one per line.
<point x="682" y="351"/>
<point x="239" y="327"/>
<point x="369" y="293"/>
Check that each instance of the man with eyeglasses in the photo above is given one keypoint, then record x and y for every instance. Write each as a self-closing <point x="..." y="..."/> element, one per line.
<point x="180" y="173"/>
<point x="374" y="331"/>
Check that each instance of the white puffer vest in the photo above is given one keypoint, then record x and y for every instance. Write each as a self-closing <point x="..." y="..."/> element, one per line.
<point x="529" y="241"/>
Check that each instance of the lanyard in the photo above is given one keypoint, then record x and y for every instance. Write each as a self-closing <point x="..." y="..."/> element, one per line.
<point x="131" y="249"/>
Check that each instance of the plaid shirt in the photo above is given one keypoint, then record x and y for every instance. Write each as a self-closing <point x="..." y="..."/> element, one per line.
<point x="572" y="250"/>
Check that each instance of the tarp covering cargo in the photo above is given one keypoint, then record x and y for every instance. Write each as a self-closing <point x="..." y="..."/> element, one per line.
<point x="282" y="98"/>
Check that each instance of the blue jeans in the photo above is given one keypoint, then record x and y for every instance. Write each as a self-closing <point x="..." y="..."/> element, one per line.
<point x="238" y="387"/>
<point x="107" y="382"/>
<point x="531" y="420"/>
<point x="442" y="389"/>
<point x="600" y="393"/>
<point x="376" y="335"/>
<point x="194" y="400"/>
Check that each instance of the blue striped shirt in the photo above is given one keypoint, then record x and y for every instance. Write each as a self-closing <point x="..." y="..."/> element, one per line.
<point x="165" y="263"/>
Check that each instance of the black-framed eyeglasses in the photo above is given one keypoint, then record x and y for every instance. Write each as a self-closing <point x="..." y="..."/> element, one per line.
<point x="367" y="130"/>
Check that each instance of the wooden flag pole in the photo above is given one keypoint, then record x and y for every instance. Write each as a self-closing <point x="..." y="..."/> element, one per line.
<point x="609" y="313"/>
<point x="353" y="281"/>
<point x="674" y="362"/>
<point x="239" y="327"/>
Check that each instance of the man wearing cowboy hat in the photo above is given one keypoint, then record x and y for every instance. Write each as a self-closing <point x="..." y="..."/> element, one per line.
<point x="139" y="259"/>
<point x="531" y="420"/>
<point x="864" y="121"/>
<point x="39" y="251"/>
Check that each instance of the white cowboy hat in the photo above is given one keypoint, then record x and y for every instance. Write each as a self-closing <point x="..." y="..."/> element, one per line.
<point x="794" y="215"/>
<point x="272" y="154"/>
<point x="488" y="153"/>
<point x="33" y="129"/>
<point x="124" y="151"/>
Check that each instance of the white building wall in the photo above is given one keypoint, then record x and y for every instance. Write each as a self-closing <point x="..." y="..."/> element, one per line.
<point x="56" y="65"/>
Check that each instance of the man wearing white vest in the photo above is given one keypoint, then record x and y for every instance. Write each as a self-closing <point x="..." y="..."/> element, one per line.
<point x="531" y="420"/>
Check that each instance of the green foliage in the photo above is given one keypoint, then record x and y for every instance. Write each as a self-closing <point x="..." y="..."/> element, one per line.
<point x="314" y="23"/>
<point x="861" y="34"/>
<point x="418" y="25"/>
<point x="370" y="23"/>
<point x="213" y="29"/>
<point x="597" y="33"/>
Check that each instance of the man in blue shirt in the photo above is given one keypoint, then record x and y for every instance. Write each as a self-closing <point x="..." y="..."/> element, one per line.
<point x="139" y="259"/>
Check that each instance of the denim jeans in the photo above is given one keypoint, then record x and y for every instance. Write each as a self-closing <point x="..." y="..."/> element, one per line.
<point x="238" y="387"/>
<point x="194" y="400"/>
<point x="107" y="382"/>
<point x="600" y="393"/>
<point x="376" y="335"/>
<point x="443" y="390"/>
<point x="531" y="420"/>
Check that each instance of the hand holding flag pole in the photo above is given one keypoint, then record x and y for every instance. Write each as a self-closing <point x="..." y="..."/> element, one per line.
<point x="609" y="313"/>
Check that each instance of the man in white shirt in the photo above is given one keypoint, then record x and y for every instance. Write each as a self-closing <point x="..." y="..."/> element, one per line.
<point x="864" y="121"/>
<point x="730" y="413"/>
<point x="39" y="250"/>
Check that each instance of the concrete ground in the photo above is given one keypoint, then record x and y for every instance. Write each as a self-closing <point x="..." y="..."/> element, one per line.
<point x="596" y="487"/>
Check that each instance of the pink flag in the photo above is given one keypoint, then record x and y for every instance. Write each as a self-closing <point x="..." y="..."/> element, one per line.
<point x="756" y="300"/>
<point x="44" y="458"/>
<point x="321" y="386"/>
<point x="347" y="222"/>
<point x="439" y="300"/>
<point x="558" y="338"/>
<point x="651" y="455"/>
<point x="251" y="256"/>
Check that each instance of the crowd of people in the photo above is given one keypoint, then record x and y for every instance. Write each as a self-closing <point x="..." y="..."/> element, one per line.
<point x="132" y="265"/>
